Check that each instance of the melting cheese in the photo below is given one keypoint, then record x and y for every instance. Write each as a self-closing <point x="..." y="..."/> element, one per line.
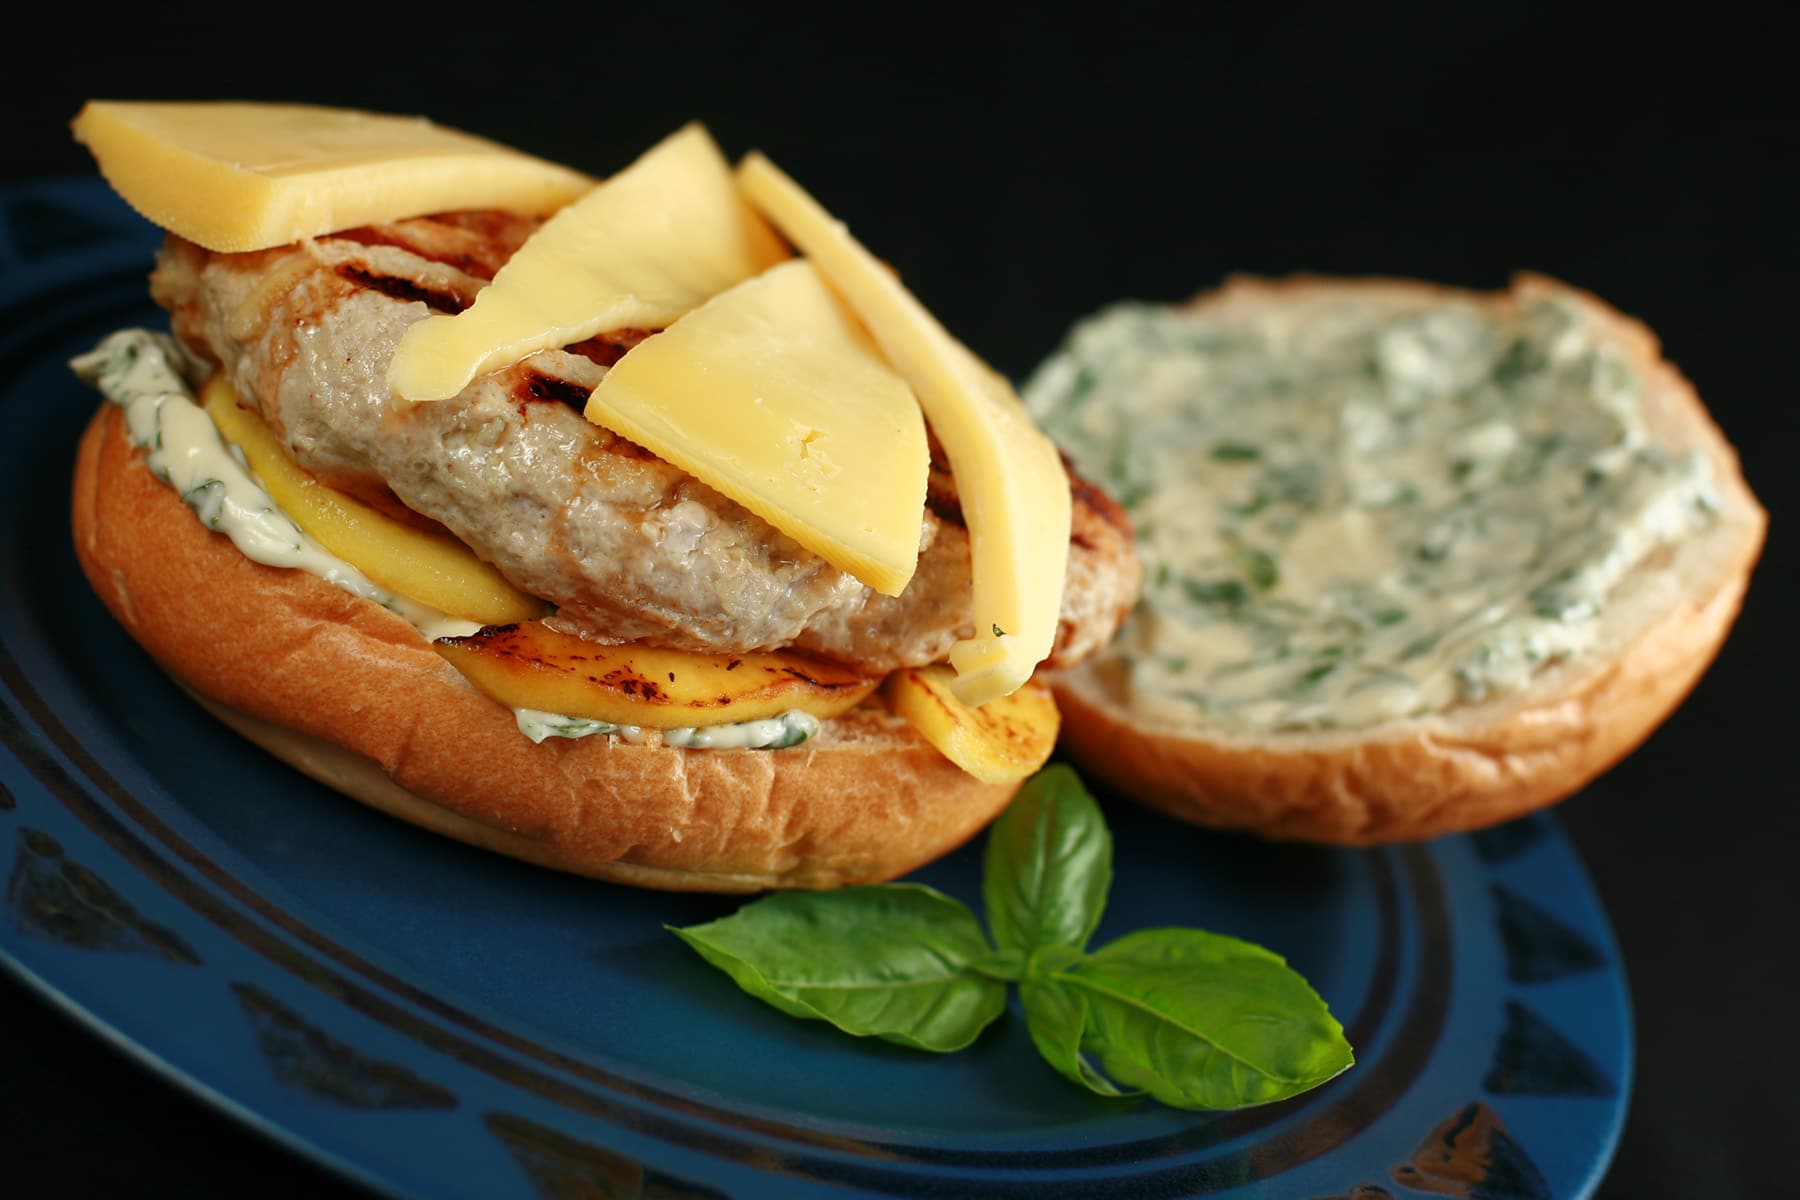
<point x="234" y="176"/>
<point x="771" y="394"/>
<point x="1015" y="494"/>
<point x="637" y="252"/>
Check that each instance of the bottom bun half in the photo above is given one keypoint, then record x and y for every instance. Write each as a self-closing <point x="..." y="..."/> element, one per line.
<point x="353" y="696"/>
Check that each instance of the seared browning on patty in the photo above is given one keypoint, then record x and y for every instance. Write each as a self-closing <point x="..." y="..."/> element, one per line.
<point x="628" y="547"/>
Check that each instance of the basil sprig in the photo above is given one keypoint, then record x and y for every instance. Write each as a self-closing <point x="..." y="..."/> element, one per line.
<point x="1194" y="1019"/>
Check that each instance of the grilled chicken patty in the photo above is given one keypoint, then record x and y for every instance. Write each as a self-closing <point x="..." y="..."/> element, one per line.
<point x="628" y="547"/>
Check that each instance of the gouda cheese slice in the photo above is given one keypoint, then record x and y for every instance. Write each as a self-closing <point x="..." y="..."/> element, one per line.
<point x="642" y="248"/>
<point x="238" y="176"/>
<point x="1015" y="493"/>
<point x="770" y="393"/>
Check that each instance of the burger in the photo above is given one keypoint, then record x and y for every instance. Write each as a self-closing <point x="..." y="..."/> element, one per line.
<point x="548" y="616"/>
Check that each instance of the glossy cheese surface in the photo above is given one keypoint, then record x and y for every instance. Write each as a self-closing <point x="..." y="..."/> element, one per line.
<point x="1015" y="494"/>
<point x="240" y="176"/>
<point x="641" y="249"/>
<point x="770" y="393"/>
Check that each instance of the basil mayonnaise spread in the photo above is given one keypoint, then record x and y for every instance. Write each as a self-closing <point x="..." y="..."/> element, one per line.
<point x="776" y="733"/>
<point x="153" y="380"/>
<point x="1351" y="513"/>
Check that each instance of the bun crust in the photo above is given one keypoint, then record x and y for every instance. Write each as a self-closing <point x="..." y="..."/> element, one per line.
<point x="352" y="695"/>
<point x="1475" y="765"/>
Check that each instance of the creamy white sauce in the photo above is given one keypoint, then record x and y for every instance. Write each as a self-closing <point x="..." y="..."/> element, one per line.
<point x="1348" y="517"/>
<point x="153" y="380"/>
<point x="775" y="733"/>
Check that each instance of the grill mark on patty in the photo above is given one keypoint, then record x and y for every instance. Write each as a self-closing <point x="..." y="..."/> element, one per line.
<point x="942" y="498"/>
<point x="1085" y="495"/>
<point x="398" y="288"/>
<point x="608" y="348"/>
<point x="944" y="502"/>
<point x="535" y="387"/>
<point x="468" y="264"/>
<point x="476" y="243"/>
<point x="539" y="387"/>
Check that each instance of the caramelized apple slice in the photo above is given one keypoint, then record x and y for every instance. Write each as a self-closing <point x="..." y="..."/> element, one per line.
<point x="424" y="565"/>
<point x="531" y="665"/>
<point x="1002" y="741"/>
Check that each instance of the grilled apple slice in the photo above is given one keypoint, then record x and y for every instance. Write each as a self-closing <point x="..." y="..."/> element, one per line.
<point x="1002" y="741"/>
<point x="424" y="565"/>
<point x="531" y="665"/>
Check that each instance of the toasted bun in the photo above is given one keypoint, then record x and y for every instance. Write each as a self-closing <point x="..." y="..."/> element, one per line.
<point x="1474" y="765"/>
<point x="350" y="694"/>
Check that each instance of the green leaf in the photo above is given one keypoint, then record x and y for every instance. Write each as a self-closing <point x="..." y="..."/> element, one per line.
<point x="1225" y="593"/>
<point x="1048" y="865"/>
<point x="1195" y="1019"/>
<point x="1261" y="567"/>
<point x="894" y="961"/>
<point x="1235" y="452"/>
<point x="1057" y="1020"/>
<point x="1008" y="966"/>
<point x="1200" y="1020"/>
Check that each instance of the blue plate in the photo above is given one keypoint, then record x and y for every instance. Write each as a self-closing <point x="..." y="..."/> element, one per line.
<point x="434" y="1021"/>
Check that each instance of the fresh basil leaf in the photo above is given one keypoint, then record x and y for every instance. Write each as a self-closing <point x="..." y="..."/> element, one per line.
<point x="1200" y="1020"/>
<point x="1056" y="1017"/>
<point x="1008" y="967"/>
<point x="1048" y="865"/>
<point x="894" y="961"/>
<point x="1046" y="961"/>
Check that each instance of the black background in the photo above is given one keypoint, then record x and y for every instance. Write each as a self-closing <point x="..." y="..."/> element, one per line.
<point x="1021" y="174"/>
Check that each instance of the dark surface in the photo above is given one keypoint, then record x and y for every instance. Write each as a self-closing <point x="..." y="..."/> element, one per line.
<point x="1020" y="177"/>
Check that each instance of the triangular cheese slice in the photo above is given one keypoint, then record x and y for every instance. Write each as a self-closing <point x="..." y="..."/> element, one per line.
<point x="1015" y="493"/>
<point x="771" y="394"/>
<point x="652" y="242"/>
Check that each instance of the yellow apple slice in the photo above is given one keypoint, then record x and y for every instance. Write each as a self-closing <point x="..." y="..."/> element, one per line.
<point x="430" y="567"/>
<point x="639" y="250"/>
<point x="1015" y="494"/>
<point x="533" y="666"/>
<point x="1003" y="741"/>
<point x="771" y="394"/>
<point x="237" y="176"/>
